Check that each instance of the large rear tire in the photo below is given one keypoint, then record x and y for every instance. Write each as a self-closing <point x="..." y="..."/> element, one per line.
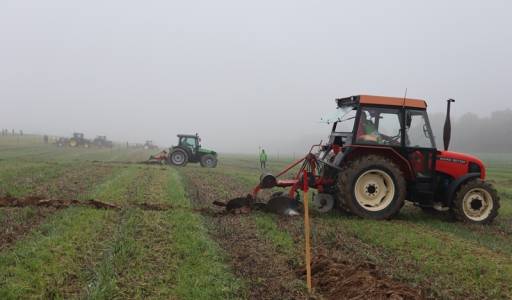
<point x="476" y="202"/>
<point x="208" y="161"/>
<point x="178" y="158"/>
<point x="73" y="143"/>
<point x="372" y="187"/>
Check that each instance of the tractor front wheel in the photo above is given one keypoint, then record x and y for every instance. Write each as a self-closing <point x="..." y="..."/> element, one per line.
<point x="208" y="161"/>
<point x="476" y="202"/>
<point x="372" y="187"/>
<point x="178" y="158"/>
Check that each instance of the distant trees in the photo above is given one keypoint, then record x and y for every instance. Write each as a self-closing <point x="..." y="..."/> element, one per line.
<point x="471" y="133"/>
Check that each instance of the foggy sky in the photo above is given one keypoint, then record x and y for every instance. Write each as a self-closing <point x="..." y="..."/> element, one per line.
<point x="241" y="73"/>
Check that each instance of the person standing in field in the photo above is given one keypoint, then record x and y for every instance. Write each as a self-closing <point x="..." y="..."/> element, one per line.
<point x="263" y="159"/>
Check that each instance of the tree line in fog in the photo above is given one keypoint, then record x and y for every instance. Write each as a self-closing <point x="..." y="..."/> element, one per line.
<point x="472" y="133"/>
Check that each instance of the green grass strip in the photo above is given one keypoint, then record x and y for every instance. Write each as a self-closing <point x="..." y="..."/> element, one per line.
<point x="201" y="272"/>
<point x="267" y="227"/>
<point x="38" y="266"/>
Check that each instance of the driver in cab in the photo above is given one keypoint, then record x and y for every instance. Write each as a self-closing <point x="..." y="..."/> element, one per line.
<point x="367" y="131"/>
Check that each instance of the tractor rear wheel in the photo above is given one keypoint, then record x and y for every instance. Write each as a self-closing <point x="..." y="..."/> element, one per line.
<point x="476" y="202"/>
<point x="178" y="158"/>
<point x="371" y="187"/>
<point x="208" y="161"/>
<point x="73" y="143"/>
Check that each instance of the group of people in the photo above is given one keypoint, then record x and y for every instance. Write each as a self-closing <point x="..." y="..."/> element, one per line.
<point x="5" y="132"/>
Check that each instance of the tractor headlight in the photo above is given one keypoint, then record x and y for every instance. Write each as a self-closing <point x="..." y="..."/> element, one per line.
<point x="474" y="168"/>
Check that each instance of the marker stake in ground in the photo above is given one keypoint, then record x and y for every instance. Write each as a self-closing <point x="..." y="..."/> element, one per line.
<point x="307" y="232"/>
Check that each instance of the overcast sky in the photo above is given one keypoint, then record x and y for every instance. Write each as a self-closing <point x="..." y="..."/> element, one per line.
<point x="241" y="73"/>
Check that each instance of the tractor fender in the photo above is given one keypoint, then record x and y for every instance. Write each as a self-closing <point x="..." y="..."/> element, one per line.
<point x="363" y="150"/>
<point x="181" y="148"/>
<point x="454" y="186"/>
<point x="336" y="162"/>
<point x="192" y="157"/>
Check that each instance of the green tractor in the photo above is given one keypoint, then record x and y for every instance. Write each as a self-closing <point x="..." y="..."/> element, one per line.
<point x="78" y="140"/>
<point x="101" y="141"/>
<point x="189" y="150"/>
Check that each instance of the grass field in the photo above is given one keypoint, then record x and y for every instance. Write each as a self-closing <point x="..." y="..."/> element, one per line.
<point x="167" y="242"/>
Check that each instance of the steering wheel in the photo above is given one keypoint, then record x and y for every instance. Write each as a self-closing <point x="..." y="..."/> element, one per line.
<point x="391" y="140"/>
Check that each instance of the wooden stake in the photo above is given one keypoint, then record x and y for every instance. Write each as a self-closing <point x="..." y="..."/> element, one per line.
<point x="307" y="232"/>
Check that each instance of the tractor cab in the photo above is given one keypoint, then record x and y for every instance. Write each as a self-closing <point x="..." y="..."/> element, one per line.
<point x="372" y="123"/>
<point x="78" y="135"/>
<point x="191" y="142"/>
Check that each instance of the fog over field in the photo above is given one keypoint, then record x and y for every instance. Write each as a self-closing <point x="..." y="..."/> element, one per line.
<point x="249" y="74"/>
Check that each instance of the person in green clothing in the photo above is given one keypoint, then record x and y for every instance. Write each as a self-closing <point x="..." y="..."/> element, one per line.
<point x="263" y="159"/>
<point x="367" y="131"/>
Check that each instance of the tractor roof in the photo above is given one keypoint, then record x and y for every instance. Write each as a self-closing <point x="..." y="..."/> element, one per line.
<point x="381" y="100"/>
<point x="188" y="135"/>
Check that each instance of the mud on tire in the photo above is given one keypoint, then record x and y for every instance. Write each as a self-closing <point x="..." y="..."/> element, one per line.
<point x="371" y="187"/>
<point x="476" y="201"/>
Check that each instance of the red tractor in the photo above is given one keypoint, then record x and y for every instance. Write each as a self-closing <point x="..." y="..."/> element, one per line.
<point x="381" y="152"/>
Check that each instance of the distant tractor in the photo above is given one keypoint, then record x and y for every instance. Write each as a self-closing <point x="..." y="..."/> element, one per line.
<point x="78" y="140"/>
<point x="189" y="150"/>
<point x="149" y="145"/>
<point x="101" y="141"/>
<point x="62" y="141"/>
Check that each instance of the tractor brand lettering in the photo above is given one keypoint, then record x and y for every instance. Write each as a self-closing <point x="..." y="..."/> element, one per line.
<point x="453" y="160"/>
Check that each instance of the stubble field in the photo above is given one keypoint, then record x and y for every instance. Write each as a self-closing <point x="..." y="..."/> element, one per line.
<point x="165" y="240"/>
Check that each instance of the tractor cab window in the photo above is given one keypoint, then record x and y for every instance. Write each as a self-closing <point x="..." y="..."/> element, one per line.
<point x="379" y="126"/>
<point x="418" y="133"/>
<point x="189" y="142"/>
<point x="345" y="122"/>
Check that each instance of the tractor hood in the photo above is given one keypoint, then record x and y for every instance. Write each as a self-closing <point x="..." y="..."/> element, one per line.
<point x="458" y="164"/>
<point x="207" y="151"/>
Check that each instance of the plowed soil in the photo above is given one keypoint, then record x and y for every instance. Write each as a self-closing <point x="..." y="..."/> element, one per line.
<point x="336" y="278"/>
<point x="40" y="201"/>
<point x="272" y="275"/>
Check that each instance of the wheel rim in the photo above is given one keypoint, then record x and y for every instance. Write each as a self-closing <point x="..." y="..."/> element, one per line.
<point x="209" y="162"/>
<point x="178" y="158"/>
<point x="374" y="190"/>
<point x="477" y="204"/>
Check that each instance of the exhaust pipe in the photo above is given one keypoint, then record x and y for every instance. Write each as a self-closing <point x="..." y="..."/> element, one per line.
<point x="447" y="133"/>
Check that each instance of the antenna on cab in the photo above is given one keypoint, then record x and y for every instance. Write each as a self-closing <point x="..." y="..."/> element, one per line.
<point x="405" y="96"/>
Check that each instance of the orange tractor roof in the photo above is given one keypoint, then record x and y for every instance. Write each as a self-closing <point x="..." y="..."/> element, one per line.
<point x="392" y="101"/>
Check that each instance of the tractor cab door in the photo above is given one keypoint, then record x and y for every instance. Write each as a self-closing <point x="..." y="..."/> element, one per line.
<point x="189" y="143"/>
<point x="420" y="149"/>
